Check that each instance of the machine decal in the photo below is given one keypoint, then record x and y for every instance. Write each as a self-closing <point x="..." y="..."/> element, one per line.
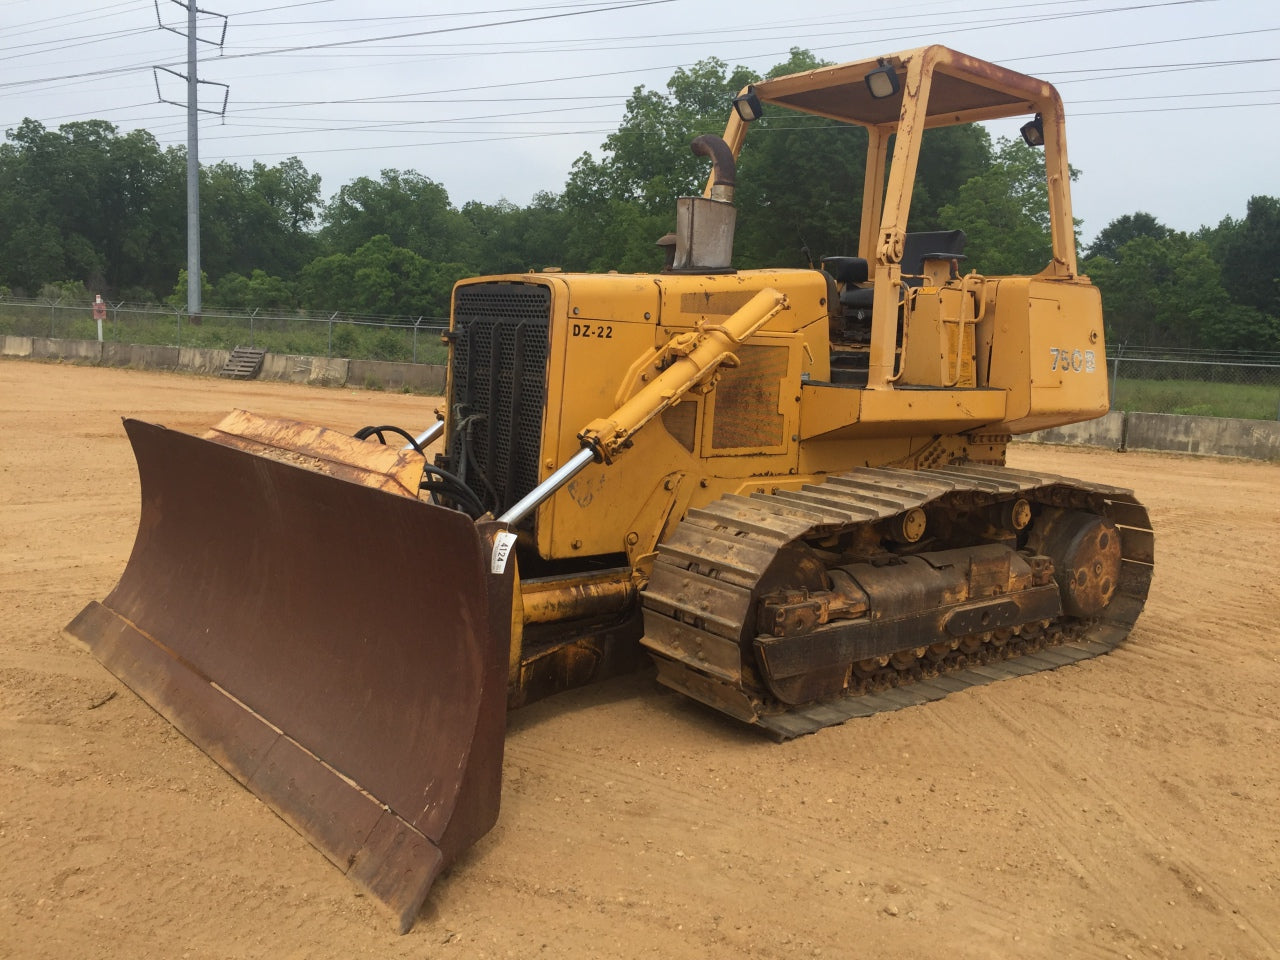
<point x="1073" y="361"/>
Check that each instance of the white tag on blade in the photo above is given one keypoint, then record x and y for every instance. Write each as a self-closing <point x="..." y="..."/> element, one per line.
<point x="502" y="545"/>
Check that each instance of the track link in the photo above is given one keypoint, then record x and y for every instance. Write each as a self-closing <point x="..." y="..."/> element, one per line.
<point x="709" y="575"/>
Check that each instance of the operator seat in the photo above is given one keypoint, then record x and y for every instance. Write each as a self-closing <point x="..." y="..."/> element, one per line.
<point x="916" y="249"/>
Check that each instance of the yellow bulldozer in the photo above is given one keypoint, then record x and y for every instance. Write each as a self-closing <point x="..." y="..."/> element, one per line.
<point x="784" y="487"/>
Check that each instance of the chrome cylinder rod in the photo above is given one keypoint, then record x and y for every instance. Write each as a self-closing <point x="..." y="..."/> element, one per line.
<point x="427" y="436"/>
<point x="534" y="497"/>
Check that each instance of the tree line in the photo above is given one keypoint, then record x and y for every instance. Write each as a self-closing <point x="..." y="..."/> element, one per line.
<point x="90" y="209"/>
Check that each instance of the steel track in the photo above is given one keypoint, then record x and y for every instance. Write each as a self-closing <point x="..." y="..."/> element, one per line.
<point x="706" y="581"/>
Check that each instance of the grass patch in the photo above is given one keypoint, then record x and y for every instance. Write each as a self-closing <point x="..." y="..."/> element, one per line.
<point x="1198" y="398"/>
<point x="293" y="335"/>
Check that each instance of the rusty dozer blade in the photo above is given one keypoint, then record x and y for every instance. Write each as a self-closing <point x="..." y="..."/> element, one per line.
<point x="340" y="650"/>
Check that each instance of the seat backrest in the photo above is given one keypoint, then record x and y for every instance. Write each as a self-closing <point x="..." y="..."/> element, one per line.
<point x="846" y="270"/>
<point x="929" y="243"/>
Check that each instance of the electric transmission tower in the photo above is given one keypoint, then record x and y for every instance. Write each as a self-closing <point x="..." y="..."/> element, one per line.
<point x="193" y="134"/>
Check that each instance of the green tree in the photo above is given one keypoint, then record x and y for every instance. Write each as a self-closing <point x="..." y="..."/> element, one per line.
<point x="258" y="218"/>
<point x="272" y="293"/>
<point x="1004" y="212"/>
<point x="412" y="211"/>
<point x="1123" y="229"/>
<point x="619" y="205"/>
<point x="1249" y="253"/>
<point x="65" y="290"/>
<point x="380" y="278"/>
<point x="146" y="242"/>
<point x="647" y="161"/>
<point x="87" y="202"/>
<point x="799" y="181"/>
<point x="178" y="296"/>
<point x="949" y="158"/>
<point x="84" y="202"/>
<point x="258" y="291"/>
<point x="1168" y="292"/>
<point x="512" y="239"/>
<point x="231" y="292"/>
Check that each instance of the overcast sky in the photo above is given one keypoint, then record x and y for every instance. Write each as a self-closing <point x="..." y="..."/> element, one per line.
<point x="1172" y="107"/>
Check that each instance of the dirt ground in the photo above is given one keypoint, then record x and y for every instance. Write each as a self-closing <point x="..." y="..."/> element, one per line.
<point x="1123" y="807"/>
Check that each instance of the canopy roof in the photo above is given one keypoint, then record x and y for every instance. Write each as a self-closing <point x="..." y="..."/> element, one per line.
<point x="962" y="90"/>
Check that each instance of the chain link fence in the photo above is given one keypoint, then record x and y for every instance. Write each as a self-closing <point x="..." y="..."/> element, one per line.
<point x="355" y="337"/>
<point x="1198" y="383"/>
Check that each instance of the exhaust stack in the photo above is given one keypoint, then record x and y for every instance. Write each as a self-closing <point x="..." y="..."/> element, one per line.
<point x="704" y="227"/>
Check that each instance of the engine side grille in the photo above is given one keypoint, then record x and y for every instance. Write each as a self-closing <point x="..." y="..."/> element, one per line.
<point x="499" y="369"/>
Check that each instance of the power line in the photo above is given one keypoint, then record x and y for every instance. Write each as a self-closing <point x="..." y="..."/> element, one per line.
<point x="438" y="97"/>
<point x="348" y="21"/>
<point x="983" y="24"/>
<point x="1181" y="96"/>
<point x="824" y="25"/>
<point x="435" y="143"/>
<point x="615" y="7"/>
<point x="1146" y="43"/>
<point x="1206" y="106"/>
<point x="499" y="137"/>
<point x="449" y="95"/>
<point x="65" y="41"/>
<point x="599" y="75"/>
<point x="768" y="33"/>
<point x="1157" y="69"/>
<point x="17" y="31"/>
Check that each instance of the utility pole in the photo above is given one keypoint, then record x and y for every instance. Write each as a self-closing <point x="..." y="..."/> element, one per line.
<point x="193" y="138"/>
<point x="193" y="170"/>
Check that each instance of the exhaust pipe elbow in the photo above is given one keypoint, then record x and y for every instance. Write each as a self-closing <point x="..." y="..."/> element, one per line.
<point x="723" y="166"/>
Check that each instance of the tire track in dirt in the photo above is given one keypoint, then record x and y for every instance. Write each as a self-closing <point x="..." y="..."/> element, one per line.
<point x="687" y="811"/>
<point x="1061" y="820"/>
<point x="1195" y="880"/>
<point x="1107" y="795"/>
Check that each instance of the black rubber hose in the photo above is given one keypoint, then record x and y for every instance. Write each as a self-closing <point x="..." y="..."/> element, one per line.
<point x="449" y="484"/>
<point x="364" y="433"/>
<point x="461" y="496"/>
<point x="493" y="494"/>
<point x="453" y="486"/>
<point x="468" y="459"/>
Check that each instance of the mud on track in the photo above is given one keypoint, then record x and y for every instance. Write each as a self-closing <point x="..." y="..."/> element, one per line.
<point x="1125" y="806"/>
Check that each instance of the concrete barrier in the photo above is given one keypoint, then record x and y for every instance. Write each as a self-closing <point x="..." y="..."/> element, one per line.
<point x="148" y="356"/>
<point x="317" y="371"/>
<point x="1171" y="433"/>
<point x="82" y="351"/>
<point x="1218" y="436"/>
<point x="13" y="346"/>
<point x="1106" y="431"/>
<point x="202" y="359"/>
<point x="117" y="354"/>
<point x="143" y="356"/>
<point x="386" y="375"/>
<point x="327" y="371"/>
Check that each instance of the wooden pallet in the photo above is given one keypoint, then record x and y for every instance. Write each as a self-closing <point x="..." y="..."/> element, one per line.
<point x="243" y="364"/>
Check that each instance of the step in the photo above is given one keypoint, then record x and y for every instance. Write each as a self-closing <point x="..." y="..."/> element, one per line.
<point x="243" y="364"/>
